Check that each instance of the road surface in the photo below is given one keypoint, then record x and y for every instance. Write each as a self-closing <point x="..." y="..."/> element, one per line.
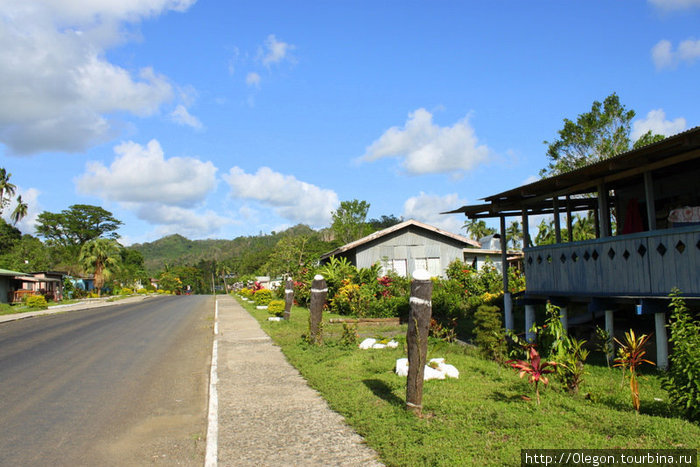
<point x="120" y="385"/>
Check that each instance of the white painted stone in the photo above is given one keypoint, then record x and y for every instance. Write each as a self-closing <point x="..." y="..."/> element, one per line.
<point x="421" y="275"/>
<point x="318" y="277"/>
<point x="367" y="343"/>
<point x="274" y="318"/>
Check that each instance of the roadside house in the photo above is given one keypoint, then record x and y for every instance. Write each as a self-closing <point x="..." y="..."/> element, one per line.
<point x="8" y="284"/>
<point x="405" y="247"/>
<point x="653" y="194"/>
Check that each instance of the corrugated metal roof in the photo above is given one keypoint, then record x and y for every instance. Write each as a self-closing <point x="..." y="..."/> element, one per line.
<point x="395" y="228"/>
<point x="7" y="272"/>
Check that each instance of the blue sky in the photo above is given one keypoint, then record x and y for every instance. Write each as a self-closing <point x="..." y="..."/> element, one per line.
<point x="215" y="119"/>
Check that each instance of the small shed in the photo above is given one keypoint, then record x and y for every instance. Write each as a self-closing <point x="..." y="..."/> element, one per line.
<point x="405" y="247"/>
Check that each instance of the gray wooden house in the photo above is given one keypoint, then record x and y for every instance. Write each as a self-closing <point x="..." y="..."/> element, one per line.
<point x="405" y="247"/>
<point x="653" y="194"/>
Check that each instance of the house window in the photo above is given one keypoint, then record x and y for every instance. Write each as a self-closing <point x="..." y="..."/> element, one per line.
<point x="398" y="266"/>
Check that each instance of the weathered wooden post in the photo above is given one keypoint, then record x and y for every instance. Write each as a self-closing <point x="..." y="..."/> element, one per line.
<point x="319" y="291"/>
<point x="288" y="299"/>
<point x="417" y="338"/>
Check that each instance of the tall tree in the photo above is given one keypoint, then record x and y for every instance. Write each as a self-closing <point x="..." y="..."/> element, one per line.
<point x="101" y="257"/>
<point x="477" y="229"/>
<point x="7" y="191"/>
<point x="349" y="220"/>
<point x="514" y="234"/>
<point x="77" y="225"/>
<point x="596" y="135"/>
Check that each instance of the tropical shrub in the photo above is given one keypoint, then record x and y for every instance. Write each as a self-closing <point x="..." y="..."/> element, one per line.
<point x="262" y="297"/>
<point x="630" y="356"/>
<point x="36" y="301"/>
<point x="142" y="291"/>
<point x="126" y="291"/>
<point x="604" y="344"/>
<point x="276" y="307"/>
<point x="571" y="364"/>
<point x="246" y="293"/>
<point x="682" y="381"/>
<point x="535" y="368"/>
<point x="489" y="333"/>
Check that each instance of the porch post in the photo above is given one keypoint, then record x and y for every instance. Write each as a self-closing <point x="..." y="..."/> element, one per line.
<point x="564" y="318"/>
<point x="529" y="321"/>
<point x="507" y="302"/>
<point x="557" y="220"/>
<point x="649" y="195"/>
<point x="661" y="341"/>
<point x="604" y="211"/>
<point x="569" y="220"/>
<point x="609" y="322"/>
<point x="526" y="229"/>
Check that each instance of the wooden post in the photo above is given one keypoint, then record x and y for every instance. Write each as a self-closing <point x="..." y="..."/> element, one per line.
<point x="288" y="299"/>
<point x="319" y="291"/>
<point x="557" y="219"/>
<point x="661" y="341"/>
<point x="507" y="302"/>
<point x="417" y="338"/>
<point x="569" y="219"/>
<point x="529" y="321"/>
<point x="526" y="230"/>
<point x="649" y="197"/>
<point x="604" y="211"/>
<point x="564" y="318"/>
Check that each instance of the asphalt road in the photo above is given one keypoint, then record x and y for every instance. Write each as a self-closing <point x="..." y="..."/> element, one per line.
<point x="121" y="385"/>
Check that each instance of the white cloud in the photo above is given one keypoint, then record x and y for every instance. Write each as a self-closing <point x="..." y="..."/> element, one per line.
<point x="187" y="222"/>
<point x="675" y="4"/>
<point x="57" y="83"/>
<point x="252" y="79"/>
<point x="274" y="51"/>
<point x="427" y="208"/>
<point x="142" y="174"/>
<point x="292" y="199"/>
<point x="664" y="56"/>
<point x="657" y="123"/>
<point x="181" y="116"/>
<point x="429" y="148"/>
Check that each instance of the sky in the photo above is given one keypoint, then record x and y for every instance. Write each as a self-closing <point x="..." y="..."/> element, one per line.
<point x="220" y="118"/>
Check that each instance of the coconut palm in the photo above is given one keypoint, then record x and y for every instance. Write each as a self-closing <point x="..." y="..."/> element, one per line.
<point x="514" y="234"/>
<point x="477" y="229"/>
<point x="19" y="212"/>
<point x="101" y="257"/>
<point x="7" y="189"/>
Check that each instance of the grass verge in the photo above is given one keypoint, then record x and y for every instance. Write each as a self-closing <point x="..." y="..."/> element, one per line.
<point x="482" y="418"/>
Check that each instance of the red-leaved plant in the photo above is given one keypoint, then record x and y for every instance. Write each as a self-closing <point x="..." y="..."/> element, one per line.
<point x="535" y="368"/>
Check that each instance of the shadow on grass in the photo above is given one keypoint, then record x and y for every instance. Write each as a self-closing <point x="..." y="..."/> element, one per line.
<point x="499" y="396"/>
<point x="383" y="391"/>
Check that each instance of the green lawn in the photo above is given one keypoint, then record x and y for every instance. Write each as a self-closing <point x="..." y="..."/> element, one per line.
<point x="480" y="418"/>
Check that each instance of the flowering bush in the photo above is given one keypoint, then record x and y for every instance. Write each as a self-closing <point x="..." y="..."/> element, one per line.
<point x="262" y="297"/>
<point x="276" y="307"/>
<point x="36" y="301"/>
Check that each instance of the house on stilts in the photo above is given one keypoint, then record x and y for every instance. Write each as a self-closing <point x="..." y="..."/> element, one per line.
<point x="646" y="204"/>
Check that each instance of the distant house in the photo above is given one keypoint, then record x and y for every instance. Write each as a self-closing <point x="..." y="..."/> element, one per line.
<point x="8" y="284"/>
<point x="405" y="247"/>
<point x="490" y="252"/>
<point x="46" y="283"/>
<point x="654" y="194"/>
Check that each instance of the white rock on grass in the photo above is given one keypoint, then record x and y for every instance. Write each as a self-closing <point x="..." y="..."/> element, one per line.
<point x="367" y="343"/>
<point x="443" y="370"/>
<point x="274" y="318"/>
<point x="371" y="343"/>
<point x="261" y="307"/>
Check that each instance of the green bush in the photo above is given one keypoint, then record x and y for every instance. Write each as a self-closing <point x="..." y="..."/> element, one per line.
<point x="246" y="293"/>
<point x="126" y="291"/>
<point x="276" y="307"/>
<point x="142" y="291"/>
<point x="489" y="332"/>
<point x="36" y="301"/>
<point x="262" y="297"/>
<point x="682" y="381"/>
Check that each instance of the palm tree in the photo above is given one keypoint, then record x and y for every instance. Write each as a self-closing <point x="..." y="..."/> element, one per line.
<point x="7" y="189"/>
<point x="477" y="229"/>
<point x="20" y="211"/>
<point x="584" y="227"/>
<point x="101" y="257"/>
<point x="514" y="234"/>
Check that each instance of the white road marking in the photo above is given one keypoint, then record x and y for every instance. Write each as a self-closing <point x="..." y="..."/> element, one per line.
<point x="211" y="459"/>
